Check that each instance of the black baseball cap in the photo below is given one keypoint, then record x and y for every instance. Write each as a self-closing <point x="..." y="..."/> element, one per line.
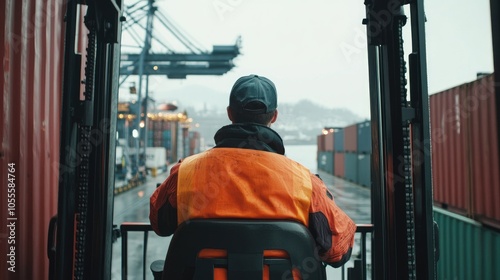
<point x="253" y="94"/>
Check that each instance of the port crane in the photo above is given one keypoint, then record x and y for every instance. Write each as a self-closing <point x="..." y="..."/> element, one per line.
<point x="154" y="45"/>
<point x="166" y="49"/>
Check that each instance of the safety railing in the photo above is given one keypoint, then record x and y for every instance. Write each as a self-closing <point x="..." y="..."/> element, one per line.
<point x="358" y="272"/>
<point x="125" y="228"/>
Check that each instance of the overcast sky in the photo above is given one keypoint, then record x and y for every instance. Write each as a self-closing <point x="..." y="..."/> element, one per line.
<point x="316" y="49"/>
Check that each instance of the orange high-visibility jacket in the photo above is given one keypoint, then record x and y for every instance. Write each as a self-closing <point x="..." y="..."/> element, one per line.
<point x="246" y="183"/>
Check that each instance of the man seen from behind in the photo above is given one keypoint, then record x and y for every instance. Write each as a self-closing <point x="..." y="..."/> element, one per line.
<point x="246" y="175"/>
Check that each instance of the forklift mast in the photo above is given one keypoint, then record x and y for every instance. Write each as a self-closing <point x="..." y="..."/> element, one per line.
<point x="405" y="235"/>
<point x="88" y="122"/>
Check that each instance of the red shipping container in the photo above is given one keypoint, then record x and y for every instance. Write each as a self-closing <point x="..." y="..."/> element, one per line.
<point x="32" y="47"/>
<point x="449" y="150"/>
<point x="321" y="142"/>
<point x="339" y="165"/>
<point x="158" y="135"/>
<point x="329" y="140"/>
<point x="484" y="163"/>
<point x="465" y="150"/>
<point x="157" y="124"/>
<point x="166" y="125"/>
<point x="351" y="138"/>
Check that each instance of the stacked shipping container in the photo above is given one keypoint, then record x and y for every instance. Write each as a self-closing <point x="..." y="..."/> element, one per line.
<point x="364" y="149"/>
<point x="342" y="151"/>
<point x="160" y="135"/>
<point x="32" y="47"/>
<point x="465" y="161"/>
<point x="466" y="170"/>
<point x="350" y="150"/>
<point x="167" y="133"/>
<point x="338" y="156"/>
<point x="325" y="143"/>
<point x="466" y="177"/>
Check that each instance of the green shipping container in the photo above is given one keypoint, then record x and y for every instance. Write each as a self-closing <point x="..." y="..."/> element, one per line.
<point x="364" y="170"/>
<point x="467" y="249"/>
<point x="325" y="162"/>
<point x="351" y="167"/>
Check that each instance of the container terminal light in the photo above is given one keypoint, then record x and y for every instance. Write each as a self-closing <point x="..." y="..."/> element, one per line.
<point x="135" y="133"/>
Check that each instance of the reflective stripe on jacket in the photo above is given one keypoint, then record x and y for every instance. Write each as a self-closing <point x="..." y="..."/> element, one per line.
<point x="243" y="183"/>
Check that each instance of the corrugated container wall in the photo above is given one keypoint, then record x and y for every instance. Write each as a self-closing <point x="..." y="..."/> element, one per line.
<point x="351" y="167"/>
<point x="467" y="249"/>
<point x="465" y="150"/>
<point x="364" y="138"/>
<point x="338" y="136"/>
<point x="339" y="165"/>
<point x="32" y="39"/>
<point x="351" y="138"/>
<point x="482" y="123"/>
<point x="449" y="150"/>
<point x="320" y="140"/>
<point x="329" y="140"/>
<point x="364" y="170"/>
<point x="160" y="135"/>
<point x="325" y="162"/>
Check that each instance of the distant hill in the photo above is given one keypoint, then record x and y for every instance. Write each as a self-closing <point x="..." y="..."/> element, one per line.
<point x="196" y="97"/>
<point x="301" y="122"/>
<point x="298" y="123"/>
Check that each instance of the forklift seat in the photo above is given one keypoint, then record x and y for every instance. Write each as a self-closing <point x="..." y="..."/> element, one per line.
<point x="243" y="243"/>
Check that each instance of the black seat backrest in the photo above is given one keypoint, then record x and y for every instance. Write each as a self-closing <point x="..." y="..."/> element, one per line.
<point x="245" y="242"/>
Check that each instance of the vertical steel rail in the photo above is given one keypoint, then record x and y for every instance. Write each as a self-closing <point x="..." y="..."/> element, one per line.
<point x="364" y="229"/>
<point x="67" y="175"/>
<point x="359" y="272"/>
<point x="403" y="238"/>
<point x="378" y="197"/>
<point x="125" y="228"/>
<point x="421" y="139"/>
<point x="144" y="53"/>
<point x="363" y="254"/>
<point x="87" y="131"/>
<point x="388" y="200"/>
<point x="144" y="254"/>
<point x="124" y="236"/>
<point x="98" y="255"/>
<point x="495" y="33"/>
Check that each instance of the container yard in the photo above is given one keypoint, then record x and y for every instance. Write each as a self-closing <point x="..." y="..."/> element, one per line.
<point x="465" y="172"/>
<point x="167" y="136"/>
<point x="466" y="176"/>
